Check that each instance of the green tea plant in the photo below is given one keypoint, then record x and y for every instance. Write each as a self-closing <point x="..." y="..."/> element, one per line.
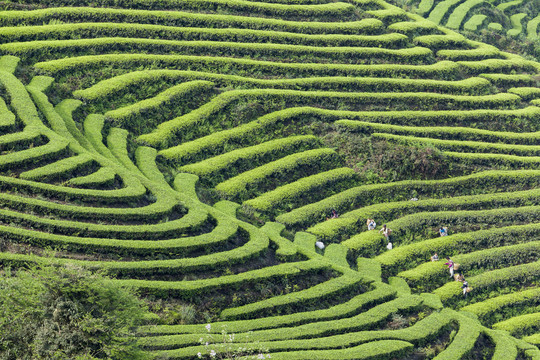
<point x="223" y="346"/>
<point x="221" y="159"/>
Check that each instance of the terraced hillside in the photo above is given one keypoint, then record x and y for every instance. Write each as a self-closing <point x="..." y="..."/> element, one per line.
<point x="513" y="18"/>
<point x="116" y="117"/>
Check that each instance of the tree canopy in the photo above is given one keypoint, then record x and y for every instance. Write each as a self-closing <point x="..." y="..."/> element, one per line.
<point x="66" y="312"/>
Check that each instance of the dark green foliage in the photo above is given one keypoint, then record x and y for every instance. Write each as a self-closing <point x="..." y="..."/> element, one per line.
<point x="380" y="161"/>
<point x="66" y="313"/>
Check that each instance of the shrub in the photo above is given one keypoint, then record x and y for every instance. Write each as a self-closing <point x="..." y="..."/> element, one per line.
<point x="134" y="81"/>
<point x="438" y="132"/>
<point x="288" y="168"/>
<point x="41" y="50"/>
<point x="371" y="194"/>
<point x="520" y="325"/>
<point x="235" y="6"/>
<point x="65" y="312"/>
<point x="179" y="18"/>
<point x="439" y="70"/>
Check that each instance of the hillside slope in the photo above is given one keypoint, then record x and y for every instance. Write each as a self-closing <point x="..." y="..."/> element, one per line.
<point x="191" y="149"/>
<point x="514" y="18"/>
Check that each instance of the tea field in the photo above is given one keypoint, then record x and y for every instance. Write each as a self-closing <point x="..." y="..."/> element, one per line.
<point x="511" y="18"/>
<point x="194" y="150"/>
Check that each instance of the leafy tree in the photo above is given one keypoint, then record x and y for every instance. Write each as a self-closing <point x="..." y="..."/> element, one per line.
<point x="66" y="312"/>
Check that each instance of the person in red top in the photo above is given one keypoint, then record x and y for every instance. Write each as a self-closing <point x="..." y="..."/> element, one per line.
<point x="386" y="232"/>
